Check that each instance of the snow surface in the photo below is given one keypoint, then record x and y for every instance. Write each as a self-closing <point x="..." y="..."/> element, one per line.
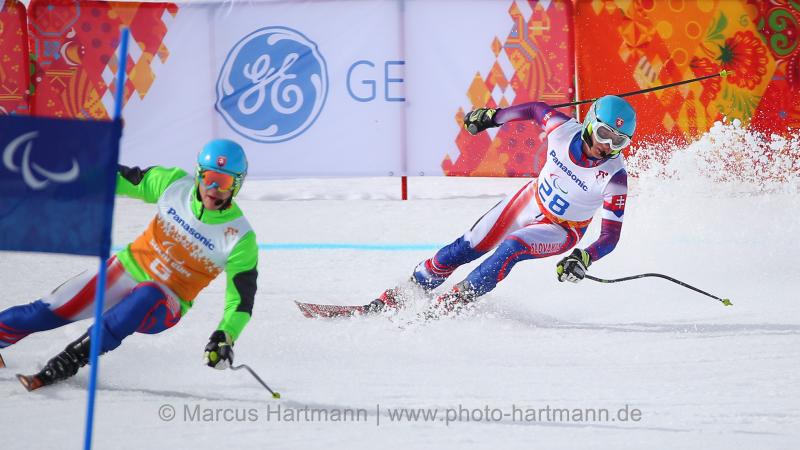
<point x="702" y="375"/>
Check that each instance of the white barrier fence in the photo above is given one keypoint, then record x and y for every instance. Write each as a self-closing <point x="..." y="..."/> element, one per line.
<point x="313" y="88"/>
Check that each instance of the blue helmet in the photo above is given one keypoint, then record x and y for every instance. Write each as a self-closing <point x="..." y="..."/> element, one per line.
<point x="613" y="111"/>
<point x="224" y="155"/>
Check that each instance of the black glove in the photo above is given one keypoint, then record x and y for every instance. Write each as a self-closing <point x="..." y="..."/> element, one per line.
<point x="219" y="351"/>
<point x="573" y="267"/>
<point x="479" y="120"/>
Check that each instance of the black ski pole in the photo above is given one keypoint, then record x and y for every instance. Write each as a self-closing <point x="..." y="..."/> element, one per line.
<point x="725" y="301"/>
<point x="722" y="74"/>
<point x="245" y="366"/>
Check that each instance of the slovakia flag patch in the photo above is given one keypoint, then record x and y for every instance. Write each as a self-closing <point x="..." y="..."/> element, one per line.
<point x="616" y="205"/>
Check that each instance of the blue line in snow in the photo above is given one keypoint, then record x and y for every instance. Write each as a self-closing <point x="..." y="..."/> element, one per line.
<point x="346" y="246"/>
<point x="338" y="246"/>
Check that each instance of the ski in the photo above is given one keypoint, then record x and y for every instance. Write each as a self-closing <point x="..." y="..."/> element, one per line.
<point x="31" y="382"/>
<point x="314" y="311"/>
<point x="2" y="363"/>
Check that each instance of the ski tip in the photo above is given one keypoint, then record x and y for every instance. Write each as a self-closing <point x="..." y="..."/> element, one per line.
<point x="31" y="382"/>
<point x="2" y="363"/>
<point x="320" y="311"/>
<point x="303" y="307"/>
<point x="727" y="302"/>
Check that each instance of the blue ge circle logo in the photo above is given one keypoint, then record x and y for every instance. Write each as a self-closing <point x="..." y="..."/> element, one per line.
<point x="272" y="85"/>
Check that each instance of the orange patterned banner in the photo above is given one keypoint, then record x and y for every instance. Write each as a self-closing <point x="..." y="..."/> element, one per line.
<point x="74" y="44"/>
<point x="534" y="62"/>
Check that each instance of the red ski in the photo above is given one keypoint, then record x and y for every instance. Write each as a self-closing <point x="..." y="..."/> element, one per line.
<point x="314" y="311"/>
<point x="31" y="382"/>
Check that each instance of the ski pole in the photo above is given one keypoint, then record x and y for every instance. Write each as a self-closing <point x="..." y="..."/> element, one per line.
<point x="725" y="301"/>
<point x="245" y="366"/>
<point x="722" y="74"/>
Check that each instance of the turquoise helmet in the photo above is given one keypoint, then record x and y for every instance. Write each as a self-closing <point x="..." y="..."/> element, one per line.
<point x="226" y="156"/>
<point x="613" y="111"/>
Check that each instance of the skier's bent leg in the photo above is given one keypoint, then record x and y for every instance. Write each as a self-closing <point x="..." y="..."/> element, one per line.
<point x="498" y="265"/>
<point x="19" y="321"/>
<point x="535" y="241"/>
<point x="432" y="272"/>
<point x="147" y="309"/>
<point x="481" y="280"/>
<point x="73" y="300"/>
<point x="428" y="275"/>
<point x="54" y="310"/>
<point x="507" y="216"/>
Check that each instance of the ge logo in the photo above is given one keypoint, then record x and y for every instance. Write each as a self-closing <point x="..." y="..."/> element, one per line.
<point x="34" y="175"/>
<point x="272" y="85"/>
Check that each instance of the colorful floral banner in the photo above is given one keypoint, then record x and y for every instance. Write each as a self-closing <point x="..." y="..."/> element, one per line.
<point x="630" y="45"/>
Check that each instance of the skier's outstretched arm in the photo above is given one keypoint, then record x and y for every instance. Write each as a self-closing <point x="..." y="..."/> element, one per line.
<point x="146" y="184"/>
<point x="543" y="114"/>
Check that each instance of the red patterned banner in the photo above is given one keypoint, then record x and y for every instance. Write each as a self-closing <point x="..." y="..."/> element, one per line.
<point x="74" y="43"/>
<point x="627" y="46"/>
<point x="14" y="64"/>
<point x="534" y="62"/>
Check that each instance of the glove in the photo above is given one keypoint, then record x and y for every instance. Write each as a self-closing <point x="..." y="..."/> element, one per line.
<point x="219" y="350"/>
<point x="479" y="120"/>
<point x="573" y="267"/>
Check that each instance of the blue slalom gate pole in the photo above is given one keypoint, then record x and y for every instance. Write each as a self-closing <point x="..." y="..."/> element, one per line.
<point x="96" y="337"/>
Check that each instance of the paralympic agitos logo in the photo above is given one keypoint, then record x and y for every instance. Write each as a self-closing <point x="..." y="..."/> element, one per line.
<point x="33" y="174"/>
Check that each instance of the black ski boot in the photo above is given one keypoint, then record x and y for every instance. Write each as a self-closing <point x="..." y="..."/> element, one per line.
<point x="394" y="299"/>
<point x="62" y="366"/>
<point x="388" y="301"/>
<point x="451" y="303"/>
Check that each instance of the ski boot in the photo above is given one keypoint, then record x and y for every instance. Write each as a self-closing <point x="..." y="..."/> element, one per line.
<point x="452" y="302"/>
<point x="428" y="276"/>
<point x="388" y="301"/>
<point x="62" y="366"/>
<point x="393" y="299"/>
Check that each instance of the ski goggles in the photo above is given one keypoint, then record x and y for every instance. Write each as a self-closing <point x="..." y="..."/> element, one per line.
<point x="224" y="182"/>
<point x="607" y="135"/>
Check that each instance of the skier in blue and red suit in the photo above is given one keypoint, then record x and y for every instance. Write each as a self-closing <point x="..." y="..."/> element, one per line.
<point x="584" y="172"/>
